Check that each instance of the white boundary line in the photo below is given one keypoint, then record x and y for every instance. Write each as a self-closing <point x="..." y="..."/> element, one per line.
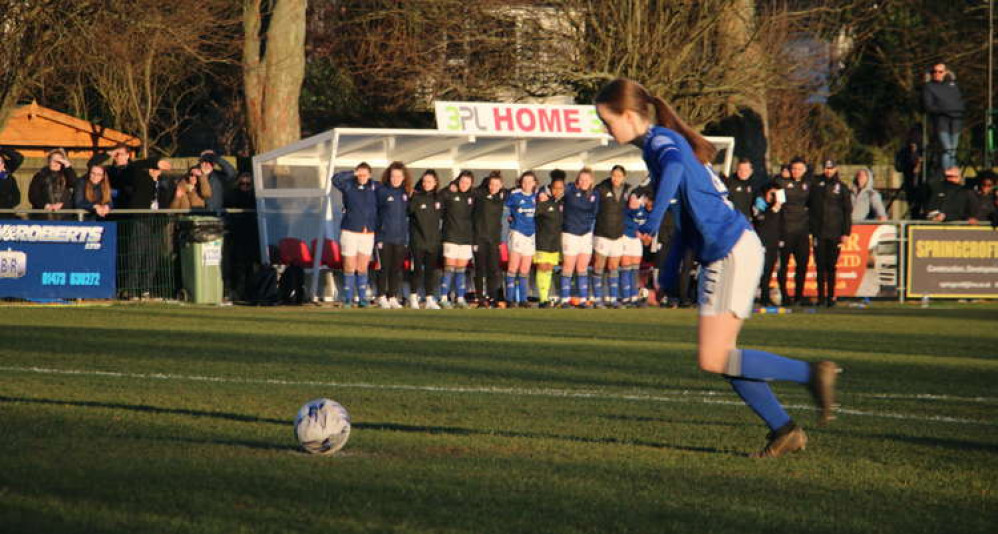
<point x="684" y="396"/>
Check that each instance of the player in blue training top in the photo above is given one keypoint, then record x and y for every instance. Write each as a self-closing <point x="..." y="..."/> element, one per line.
<point x="522" y="205"/>
<point x="635" y="217"/>
<point x="581" y="206"/>
<point x="729" y="252"/>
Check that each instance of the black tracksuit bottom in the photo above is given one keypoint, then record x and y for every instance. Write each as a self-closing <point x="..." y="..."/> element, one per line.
<point x="795" y="245"/>
<point x="772" y="254"/>
<point x="426" y="270"/>
<point x="392" y="258"/>
<point x="488" y="276"/>
<point x="826" y="255"/>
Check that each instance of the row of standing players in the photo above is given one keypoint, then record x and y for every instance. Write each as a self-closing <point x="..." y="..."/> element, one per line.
<point x="589" y="229"/>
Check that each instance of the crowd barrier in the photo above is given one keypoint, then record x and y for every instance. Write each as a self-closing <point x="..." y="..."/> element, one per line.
<point x="145" y="247"/>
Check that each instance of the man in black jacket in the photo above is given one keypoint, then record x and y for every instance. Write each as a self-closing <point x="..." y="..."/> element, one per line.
<point x="146" y="238"/>
<point x="490" y="199"/>
<point x="831" y="225"/>
<point x="10" y="193"/>
<point x="949" y="200"/>
<point x="608" y="242"/>
<point x="943" y="102"/>
<point x="794" y="229"/>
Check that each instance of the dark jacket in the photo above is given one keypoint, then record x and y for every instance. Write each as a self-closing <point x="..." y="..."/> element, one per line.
<point x="767" y="225"/>
<point x="831" y="208"/>
<point x="144" y="188"/>
<point x="425" y="214"/>
<point x="458" y="211"/>
<point x="984" y="205"/>
<point x="794" y="217"/>
<point x="52" y="187"/>
<point x="549" y="219"/>
<point x="10" y="193"/>
<point x="580" y="210"/>
<point x="742" y="194"/>
<point x="121" y="189"/>
<point x="360" y="202"/>
<point x="393" y="215"/>
<point x="943" y="99"/>
<point x="953" y="200"/>
<point x="487" y="214"/>
<point x="612" y="210"/>
<point x="221" y="181"/>
<point x="80" y="201"/>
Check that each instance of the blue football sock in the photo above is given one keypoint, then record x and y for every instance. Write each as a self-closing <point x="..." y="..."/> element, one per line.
<point x="758" y="396"/>
<point x="583" y="286"/>
<point x="632" y="277"/>
<point x="362" y="285"/>
<point x="625" y="284"/>
<point x="524" y="287"/>
<point x="596" y="283"/>
<point x="510" y="287"/>
<point x="445" y="282"/>
<point x="348" y="288"/>
<point x="613" y="280"/>
<point x="459" y="288"/>
<point x="762" y="365"/>
<point x="566" y="287"/>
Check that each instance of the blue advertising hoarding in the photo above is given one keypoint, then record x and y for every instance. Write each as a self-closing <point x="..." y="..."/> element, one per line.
<point x="57" y="259"/>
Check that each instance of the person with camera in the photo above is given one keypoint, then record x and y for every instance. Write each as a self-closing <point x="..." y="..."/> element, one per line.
<point x="192" y="191"/>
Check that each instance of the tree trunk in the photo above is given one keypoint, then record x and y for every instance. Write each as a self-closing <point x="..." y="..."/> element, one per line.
<point x="273" y="70"/>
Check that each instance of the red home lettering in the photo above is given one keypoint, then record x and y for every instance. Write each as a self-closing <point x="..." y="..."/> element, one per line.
<point x="526" y="120"/>
<point x="503" y="116"/>
<point x="549" y="119"/>
<point x="572" y="121"/>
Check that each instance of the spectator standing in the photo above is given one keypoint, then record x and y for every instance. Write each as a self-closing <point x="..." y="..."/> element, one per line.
<point x="360" y="220"/>
<point x="794" y="229"/>
<point x="908" y="162"/>
<point x="949" y="200"/>
<point x="192" y="191"/>
<point x="117" y="172"/>
<point x="242" y="241"/>
<point x="984" y="196"/>
<point x="10" y="193"/>
<point x="52" y="187"/>
<point x="490" y="200"/>
<point x="766" y="219"/>
<point x="93" y="192"/>
<point x="608" y="236"/>
<point x="831" y="225"/>
<point x="425" y="216"/>
<point x="220" y="175"/>
<point x="549" y="219"/>
<point x="146" y="237"/>
<point x="741" y="190"/>
<point x="393" y="232"/>
<point x="866" y="201"/>
<point x="943" y="102"/>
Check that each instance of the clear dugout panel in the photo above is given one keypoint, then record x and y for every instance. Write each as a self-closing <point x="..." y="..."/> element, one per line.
<point x="299" y="218"/>
<point x="305" y="168"/>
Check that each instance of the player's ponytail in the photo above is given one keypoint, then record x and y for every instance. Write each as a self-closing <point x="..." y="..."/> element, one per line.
<point x="623" y="94"/>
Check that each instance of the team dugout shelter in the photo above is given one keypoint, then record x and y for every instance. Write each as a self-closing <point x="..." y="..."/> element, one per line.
<point x="297" y="207"/>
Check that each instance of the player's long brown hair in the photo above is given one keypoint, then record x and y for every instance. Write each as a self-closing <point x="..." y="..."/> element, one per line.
<point x="386" y="177"/>
<point x="622" y="94"/>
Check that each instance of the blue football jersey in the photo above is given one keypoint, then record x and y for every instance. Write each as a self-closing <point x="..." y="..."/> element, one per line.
<point x="522" y="208"/>
<point x="706" y="220"/>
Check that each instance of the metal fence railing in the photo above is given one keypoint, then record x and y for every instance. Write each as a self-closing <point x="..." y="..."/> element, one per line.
<point x="148" y="247"/>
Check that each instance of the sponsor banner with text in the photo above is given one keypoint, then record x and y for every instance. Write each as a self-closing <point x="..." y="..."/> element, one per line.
<point x="57" y="259"/>
<point x="952" y="261"/>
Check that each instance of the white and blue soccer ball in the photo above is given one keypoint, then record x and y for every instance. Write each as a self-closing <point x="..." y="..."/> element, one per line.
<point x="322" y="426"/>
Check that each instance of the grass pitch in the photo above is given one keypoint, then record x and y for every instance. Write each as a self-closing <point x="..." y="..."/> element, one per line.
<point x="178" y="419"/>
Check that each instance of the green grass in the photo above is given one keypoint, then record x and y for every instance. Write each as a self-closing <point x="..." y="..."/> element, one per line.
<point x="178" y="419"/>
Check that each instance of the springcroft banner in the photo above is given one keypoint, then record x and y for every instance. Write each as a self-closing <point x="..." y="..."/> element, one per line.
<point x="952" y="261"/>
<point x="57" y="259"/>
<point x="536" y="120"/>
<point x="867" y="266"/>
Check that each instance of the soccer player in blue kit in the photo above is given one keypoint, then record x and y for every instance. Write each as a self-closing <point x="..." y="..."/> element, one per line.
<point x="522" y="204"/>
<point x="728" y="250"/>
